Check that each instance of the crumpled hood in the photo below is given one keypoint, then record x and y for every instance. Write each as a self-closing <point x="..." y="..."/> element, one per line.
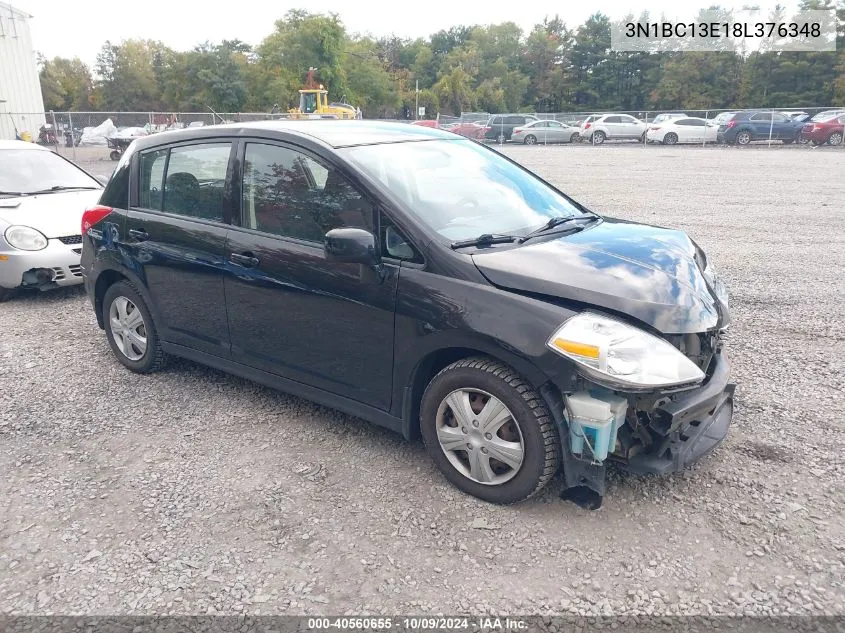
<point x="54" y="214"/>
<point x="647" y="272"/>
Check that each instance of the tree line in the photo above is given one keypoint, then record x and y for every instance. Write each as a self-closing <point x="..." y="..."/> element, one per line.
<point x="492" y="68"/>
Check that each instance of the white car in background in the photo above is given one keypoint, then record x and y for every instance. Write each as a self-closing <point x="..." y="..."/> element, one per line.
<point x="667" y="116"/>
<point x="721" y="119"/>
<point x="598" y="129"/>
<point x="42" y="198"/>
<point x="686" y="130"/>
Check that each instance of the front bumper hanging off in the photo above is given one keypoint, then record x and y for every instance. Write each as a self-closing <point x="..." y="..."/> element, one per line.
<point x="696" y="421"/>
<point x="700" y="421"/>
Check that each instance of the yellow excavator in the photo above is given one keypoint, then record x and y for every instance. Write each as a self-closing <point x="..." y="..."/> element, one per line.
<point x="314" y="103"/>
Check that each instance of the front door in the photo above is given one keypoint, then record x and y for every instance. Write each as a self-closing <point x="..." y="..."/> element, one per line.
<point x="291" y="311"/>
<point x="175" y="237"/>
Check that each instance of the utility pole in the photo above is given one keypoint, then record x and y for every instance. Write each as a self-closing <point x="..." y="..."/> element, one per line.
<point x="417" y="105"/>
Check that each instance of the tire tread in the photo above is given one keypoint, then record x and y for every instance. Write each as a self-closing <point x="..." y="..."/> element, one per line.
<point x="542" y="417"/>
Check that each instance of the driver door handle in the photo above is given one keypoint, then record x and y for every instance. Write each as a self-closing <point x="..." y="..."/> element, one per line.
<point x="247" y="260"/>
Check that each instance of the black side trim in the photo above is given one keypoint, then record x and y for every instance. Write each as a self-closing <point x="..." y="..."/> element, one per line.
<point x="351" y="407"/>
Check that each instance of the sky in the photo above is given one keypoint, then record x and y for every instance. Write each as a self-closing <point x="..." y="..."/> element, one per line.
<point x="79" y="30"/>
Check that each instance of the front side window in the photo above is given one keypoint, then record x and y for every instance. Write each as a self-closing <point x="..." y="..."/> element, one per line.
<point x="27" y="171"/>
<point x="461" y="189"/>
<point x="290" y="194"/>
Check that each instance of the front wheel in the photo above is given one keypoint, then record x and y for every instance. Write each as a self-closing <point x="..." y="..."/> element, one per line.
<point x="6" y="294"/>
<point x="488" y="431"/>
<point x="130" y="330"/>
<point x="575" y="138"/>
<point x="530" y="140"/>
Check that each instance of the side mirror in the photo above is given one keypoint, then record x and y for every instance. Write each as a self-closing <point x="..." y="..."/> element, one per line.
<point x="355" y="246"/>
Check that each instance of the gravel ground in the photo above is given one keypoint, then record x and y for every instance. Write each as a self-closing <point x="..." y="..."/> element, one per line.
<point x="191" y="491"/>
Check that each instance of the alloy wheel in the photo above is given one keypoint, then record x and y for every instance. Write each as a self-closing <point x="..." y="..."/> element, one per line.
<point x="835" y="138"/>
<point x="480" y="436"/>
<point x="743" y="138"/>
<point x="128" y="328"/>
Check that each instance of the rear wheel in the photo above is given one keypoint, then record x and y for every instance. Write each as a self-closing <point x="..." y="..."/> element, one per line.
<point x="670" y="139"/>
<point x="500" y="139"/>
<point x="488" y="431"/>
<point x="115" y="155"/>
<point x="530" y="140"/>
<point x="6" y="294"/>
<point x="835" y="138"/>
<point x="743" y="137"/>
<point x="130" y="330"/>
<point x="598" y="137"/>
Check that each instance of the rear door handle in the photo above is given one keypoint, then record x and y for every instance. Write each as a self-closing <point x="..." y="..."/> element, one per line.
<point x="247" y="260"/>
<point x="139" y="234"/>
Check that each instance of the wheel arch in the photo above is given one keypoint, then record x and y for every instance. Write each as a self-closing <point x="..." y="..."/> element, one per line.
<point x="106" y="278"/>
<point x="436" y="360"/>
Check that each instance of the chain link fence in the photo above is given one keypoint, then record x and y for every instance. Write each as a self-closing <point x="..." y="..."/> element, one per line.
<point x="92" y="136"/>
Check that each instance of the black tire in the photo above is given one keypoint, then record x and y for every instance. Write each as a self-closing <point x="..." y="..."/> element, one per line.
<point x="575" y="138"/>
<point x="787" y="141"/>
<point x="598" y="137"/>
<point x="530" y="140"/>
<point x="835" y="139"/>
<point x="670" y="139"/>
<point x="541" y="446"/>
<point x="153" y="358"/>
<point x="7" y="293"/>
<point x="114" y="155"/>
<point x="743" y="137"/>
<point x="501" y="138"/>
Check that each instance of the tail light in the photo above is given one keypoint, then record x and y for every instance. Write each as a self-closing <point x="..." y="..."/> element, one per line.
<point x="731" y="124"/>
<point x="92" y="215"/>
<point x="587" y="126"/>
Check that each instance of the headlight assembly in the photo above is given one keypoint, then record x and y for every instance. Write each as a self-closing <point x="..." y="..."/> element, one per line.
<point x="620" y="355"/>
<point x="25" y="238"/>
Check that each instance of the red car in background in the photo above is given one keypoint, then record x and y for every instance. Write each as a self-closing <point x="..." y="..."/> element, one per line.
<point x="470" y="129"/>
<point x="427" y="123"/>
<point x="829" y="131"/>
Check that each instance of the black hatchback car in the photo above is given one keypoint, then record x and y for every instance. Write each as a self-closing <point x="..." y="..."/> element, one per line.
<point x="421" y="281"/>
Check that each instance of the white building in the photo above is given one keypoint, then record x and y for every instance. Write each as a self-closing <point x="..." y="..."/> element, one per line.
<point x="21" y="104"/>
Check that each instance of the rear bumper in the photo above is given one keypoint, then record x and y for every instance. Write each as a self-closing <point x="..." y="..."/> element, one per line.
<point x="700" y="419"/>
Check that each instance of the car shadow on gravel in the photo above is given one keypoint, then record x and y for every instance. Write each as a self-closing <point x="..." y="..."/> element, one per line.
<point x="55" y="295"/>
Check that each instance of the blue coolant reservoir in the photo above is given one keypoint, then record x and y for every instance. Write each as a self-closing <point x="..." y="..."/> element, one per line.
<point x="594" y="420"/>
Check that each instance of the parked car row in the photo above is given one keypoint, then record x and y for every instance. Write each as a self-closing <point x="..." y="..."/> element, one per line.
<point x="732" y="128"/>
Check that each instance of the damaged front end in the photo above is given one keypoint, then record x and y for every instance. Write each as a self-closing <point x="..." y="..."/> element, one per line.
<point x="642" y="429"/>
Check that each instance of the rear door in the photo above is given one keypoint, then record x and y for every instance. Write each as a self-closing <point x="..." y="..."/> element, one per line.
<point x="175" y="236"/>
<point x="613" y="125"/>
<point x="291" y="311"/>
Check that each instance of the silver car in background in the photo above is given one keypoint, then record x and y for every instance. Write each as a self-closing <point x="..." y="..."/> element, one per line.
<point x="42" y="198"/>
<point x="545" y="131"/>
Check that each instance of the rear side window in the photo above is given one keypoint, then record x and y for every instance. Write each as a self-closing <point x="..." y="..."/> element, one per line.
<point x="195" y="182"/>
<point x="290" y="194"/>
<point x="188" y="180"/>
<point x="613" y="119"/>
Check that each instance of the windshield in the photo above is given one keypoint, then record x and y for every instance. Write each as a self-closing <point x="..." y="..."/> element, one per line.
<point x="461" y="189"/>
<point x="27" y="171"/>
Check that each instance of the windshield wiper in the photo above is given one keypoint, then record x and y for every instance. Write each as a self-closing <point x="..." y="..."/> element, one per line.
<point x="485" y="239"/>
<point x="55" y="188"/>
<point x="555" y="222"/>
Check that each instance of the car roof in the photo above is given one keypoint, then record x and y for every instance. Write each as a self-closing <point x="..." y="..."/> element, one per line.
<point x="21" y="145"/>
<point x="333" y="133"/>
